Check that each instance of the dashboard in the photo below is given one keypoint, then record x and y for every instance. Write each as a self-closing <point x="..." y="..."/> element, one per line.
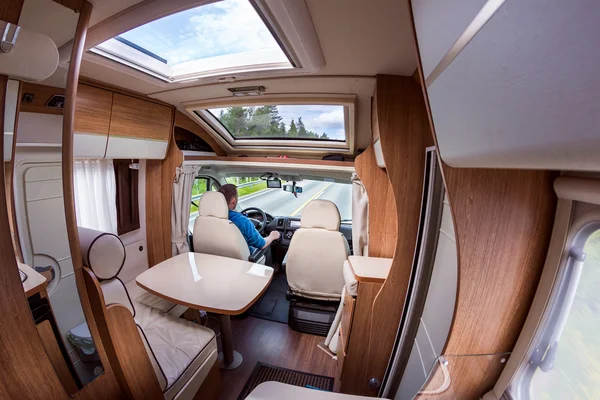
<point x="287" y="226"/>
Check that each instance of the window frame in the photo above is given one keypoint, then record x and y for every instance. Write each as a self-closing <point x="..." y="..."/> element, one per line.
<point x="199" y="112"/>
<point x="579" y="232"/>
<point x="131" y="55"/>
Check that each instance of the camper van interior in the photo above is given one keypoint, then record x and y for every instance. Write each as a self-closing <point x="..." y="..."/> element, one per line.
<point x="300" y="199"/>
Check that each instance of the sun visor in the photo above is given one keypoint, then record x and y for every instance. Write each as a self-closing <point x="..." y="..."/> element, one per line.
<point x="26" y="54"/>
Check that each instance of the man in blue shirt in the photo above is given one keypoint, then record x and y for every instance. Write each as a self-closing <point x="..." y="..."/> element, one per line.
<point x="246" y="227"/>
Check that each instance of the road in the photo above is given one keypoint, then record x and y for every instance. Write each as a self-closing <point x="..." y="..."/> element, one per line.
<point x="279" y="203"/>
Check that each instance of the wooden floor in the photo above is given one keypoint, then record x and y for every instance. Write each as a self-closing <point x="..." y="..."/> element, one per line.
<point x="271" y="343"/>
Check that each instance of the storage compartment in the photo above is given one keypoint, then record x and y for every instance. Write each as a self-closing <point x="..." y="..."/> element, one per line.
<point x="314" y="318"/>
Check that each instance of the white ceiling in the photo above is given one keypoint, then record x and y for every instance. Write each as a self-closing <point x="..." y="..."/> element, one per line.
<point x="358" y="38"/>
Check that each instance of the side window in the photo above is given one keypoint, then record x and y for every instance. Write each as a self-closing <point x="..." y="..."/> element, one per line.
<point x="566" y="360"/>
<point x="198" y="189"/>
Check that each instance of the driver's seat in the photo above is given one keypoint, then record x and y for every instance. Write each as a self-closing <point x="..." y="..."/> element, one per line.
<point x="215" y="234"/>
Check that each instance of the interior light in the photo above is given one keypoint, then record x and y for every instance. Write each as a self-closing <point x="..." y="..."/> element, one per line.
<point x="247" y="91"/>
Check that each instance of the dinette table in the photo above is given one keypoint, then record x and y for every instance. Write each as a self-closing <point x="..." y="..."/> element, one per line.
<point x="224" y="286"/>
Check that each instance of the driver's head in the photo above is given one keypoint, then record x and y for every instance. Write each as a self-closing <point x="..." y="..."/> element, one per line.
<point x="231" y="195"/>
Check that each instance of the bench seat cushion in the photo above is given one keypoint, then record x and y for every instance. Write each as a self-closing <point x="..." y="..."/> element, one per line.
<point x="177" y="348"/>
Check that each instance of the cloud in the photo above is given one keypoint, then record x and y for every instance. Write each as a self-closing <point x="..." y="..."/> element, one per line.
<point x="222" y="28"/>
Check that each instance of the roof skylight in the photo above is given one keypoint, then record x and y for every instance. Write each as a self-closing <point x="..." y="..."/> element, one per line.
<point x="312" y="122"/>
<point x="223" y="37"/>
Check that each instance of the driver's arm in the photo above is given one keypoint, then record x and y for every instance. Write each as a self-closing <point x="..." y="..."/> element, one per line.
<point x="274" y="235"/>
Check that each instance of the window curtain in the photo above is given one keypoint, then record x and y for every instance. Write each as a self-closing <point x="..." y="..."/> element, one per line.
<point x="180" y="213"/>
<point x="360" y="218"/>
<point x="95" y="195"/>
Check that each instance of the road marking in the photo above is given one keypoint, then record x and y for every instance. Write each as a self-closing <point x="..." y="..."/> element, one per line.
<point x="312" y="198"/>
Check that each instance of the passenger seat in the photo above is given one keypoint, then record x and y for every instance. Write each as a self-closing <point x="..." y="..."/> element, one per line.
<point x="182" y="353"/>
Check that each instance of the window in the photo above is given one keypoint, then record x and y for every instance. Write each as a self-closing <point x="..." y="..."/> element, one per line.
<point x="128" y="211"/>
<point x="566" y="360"/>
<point x="254" y="193"/>
<point x="221" y="37"/>
<point x="315" y="122"/>
<point x="201" y="186"/>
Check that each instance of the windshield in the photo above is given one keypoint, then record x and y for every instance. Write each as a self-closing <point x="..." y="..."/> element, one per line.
<point x="254" y="193"/>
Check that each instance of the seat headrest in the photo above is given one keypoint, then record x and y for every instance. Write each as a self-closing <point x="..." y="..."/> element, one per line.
<point x="213" y="204"/>
<point x="102" y="252"/>
<point x="322" y="214"/>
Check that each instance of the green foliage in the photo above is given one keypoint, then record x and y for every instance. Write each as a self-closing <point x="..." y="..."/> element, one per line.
<point x="263" y="122"/>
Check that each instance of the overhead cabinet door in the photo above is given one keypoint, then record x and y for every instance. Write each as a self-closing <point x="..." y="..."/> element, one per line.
<point x="138" y="128"/>
<point x="93" y="108"/>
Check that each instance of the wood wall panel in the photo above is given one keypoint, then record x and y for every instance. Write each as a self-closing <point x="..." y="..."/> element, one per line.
<point x="503" y="221"/>
<point x="93" y="109"/>
<point x="137" y="118"/>
<point x="383" y="221"/>
<point x="185" y="122"/>
<point x="403" y="128"/>
<point x="159" y="193"/>
<point x="10" y="10"/>
<point x="26" y="371"/>
<point x="41" y="95"/>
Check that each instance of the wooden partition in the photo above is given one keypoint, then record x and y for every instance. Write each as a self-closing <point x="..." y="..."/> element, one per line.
<point x="399" y="122"/>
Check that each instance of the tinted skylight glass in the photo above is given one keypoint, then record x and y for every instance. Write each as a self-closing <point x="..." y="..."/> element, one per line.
<point x="226" y="36"/>
<point x="317" y="122"/>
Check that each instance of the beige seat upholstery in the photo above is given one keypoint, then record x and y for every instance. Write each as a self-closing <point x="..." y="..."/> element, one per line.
<point x="214" y="233"/>
<point x="317" y="253"/>
<point x="106" y="249"/>
<point x="181" y="352"/>
<point x="277" y="391"/>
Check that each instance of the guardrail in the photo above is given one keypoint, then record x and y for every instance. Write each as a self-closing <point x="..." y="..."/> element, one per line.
<point x="243" y="185"/>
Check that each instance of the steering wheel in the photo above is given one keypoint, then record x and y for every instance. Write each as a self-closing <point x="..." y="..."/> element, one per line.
<point x="260" y="226"/>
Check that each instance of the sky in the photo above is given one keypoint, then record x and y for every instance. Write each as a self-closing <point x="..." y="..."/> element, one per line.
<point x="316" y="118"/>
<point x="221" y="28"/>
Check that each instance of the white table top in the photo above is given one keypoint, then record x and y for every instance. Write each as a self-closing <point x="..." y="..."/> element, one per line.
<point x="370" y="269"/>
<point x="206" y="282"/>
<point x="35" y="281"/>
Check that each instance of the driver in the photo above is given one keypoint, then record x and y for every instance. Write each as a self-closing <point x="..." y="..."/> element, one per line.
<point x="246" y="227"/>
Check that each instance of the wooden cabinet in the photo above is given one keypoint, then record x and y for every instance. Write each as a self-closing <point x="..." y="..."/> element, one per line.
<point x="114" y="125"/>
<point x="93" y="108"/>
<point x="355" y="333"/>
<point x="141" y="119"/>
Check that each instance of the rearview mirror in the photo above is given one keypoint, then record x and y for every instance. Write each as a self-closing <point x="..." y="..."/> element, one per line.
<point x="292" y="189"/>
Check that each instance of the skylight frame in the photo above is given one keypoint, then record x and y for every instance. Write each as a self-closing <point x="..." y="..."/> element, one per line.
<point x="199" y="112"/>
<point x="142" y="60"/>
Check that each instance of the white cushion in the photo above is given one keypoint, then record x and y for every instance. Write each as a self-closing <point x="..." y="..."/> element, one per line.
<point x="277" y="391"/>
<point x="321" y="214"/>
<point x="140" y="296"/>
<point x="114" y="292"/>
<point x="103" y="252"/>
<point x="213" y="204"/>
<point x="350" y="280"/>
<point x="219" y="237"/>
<point x="179" y="347"/>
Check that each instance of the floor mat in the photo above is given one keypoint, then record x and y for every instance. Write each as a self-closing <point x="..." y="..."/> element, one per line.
<point x="272" y="305"/>
<point x="266" y="373"/>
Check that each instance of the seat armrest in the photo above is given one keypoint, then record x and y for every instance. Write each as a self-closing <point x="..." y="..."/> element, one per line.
<point x="257" y="254"/>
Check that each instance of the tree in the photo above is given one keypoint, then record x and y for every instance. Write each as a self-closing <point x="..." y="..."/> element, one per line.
<point x="324" y="136"/>
<point x="293" y="131"/>
<point x="282" y="129"/>
<point x="235" y="119"/>
<point x="301" y="129"/>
